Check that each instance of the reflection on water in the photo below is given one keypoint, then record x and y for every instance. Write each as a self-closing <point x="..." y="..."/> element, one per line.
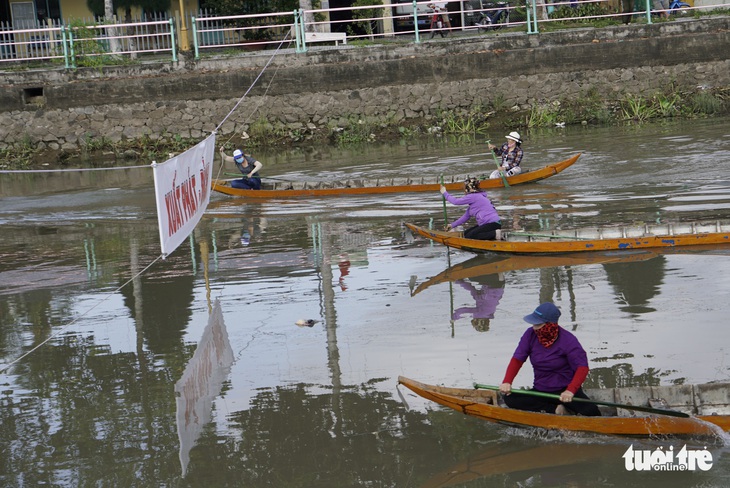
<point x="635" y="293"/>
<point x="318" y="406"/>
<point x="201" y="383"/>
<point x="545" y="463"/>
<point x="487" y="297"/>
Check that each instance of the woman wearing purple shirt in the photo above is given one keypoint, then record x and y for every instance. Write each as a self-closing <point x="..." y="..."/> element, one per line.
<point x="560" y="365"/>
<point x="480" y="207"/>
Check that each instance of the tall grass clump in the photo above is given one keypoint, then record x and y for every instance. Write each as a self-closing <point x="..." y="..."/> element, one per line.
<point x="544" y="115"/>
<point x="354" y="130"/>
<point x="18" y="155"/>
<point x="705" y="103"/>
<point x="636" y="108"/>
<point x="473" y="122"/>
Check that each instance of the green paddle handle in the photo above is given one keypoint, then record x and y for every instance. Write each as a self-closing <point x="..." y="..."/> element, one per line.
<point x="499" y="168"/>
<point x="443" y="198"/>
<point x="552" y="396"/>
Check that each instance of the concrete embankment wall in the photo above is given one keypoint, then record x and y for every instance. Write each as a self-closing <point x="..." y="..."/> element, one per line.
<point x="59" y="109"/>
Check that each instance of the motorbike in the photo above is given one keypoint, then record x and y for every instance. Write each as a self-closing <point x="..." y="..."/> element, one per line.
<point x="676" y="6"/>
<point x="494" y="16"/>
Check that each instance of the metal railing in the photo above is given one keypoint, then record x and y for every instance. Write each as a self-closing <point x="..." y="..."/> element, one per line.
<point x="84" y="43"/>
<point x="116" y="40"/>
<point x="97" y="43"/>
<point x="42" y="43"/>
<point x="257" y="31"/>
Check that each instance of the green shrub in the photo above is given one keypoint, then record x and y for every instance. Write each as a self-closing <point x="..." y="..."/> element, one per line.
<point x="705" y="103"/>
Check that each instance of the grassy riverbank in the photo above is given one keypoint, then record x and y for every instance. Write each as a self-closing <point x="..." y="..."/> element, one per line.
<point x="588" y="109"/>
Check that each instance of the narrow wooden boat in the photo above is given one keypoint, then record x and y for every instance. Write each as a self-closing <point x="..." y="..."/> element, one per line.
<point x="708" y="406"/>
<point x="359" y="186"/>
<point x="479" y="266"/>
<point x="619" y="238"/>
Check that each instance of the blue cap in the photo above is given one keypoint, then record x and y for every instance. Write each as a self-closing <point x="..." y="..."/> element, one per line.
<point x="546" y="312"/>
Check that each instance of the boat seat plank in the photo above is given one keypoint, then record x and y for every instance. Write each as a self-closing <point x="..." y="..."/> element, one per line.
<point x="638" y="395"/>
<point x="603" y="395"/>
<point x="706" y="228"/>
<point x="614" y="232"/>
<point x="713" y="399"/>
<point x="658" y="229"/>
<point x="677" y="397"/>
<point x="634" y="232"/>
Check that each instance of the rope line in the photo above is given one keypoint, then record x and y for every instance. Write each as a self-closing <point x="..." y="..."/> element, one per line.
<point x="240" y="100"/>
<point x="65" y="327"/>
<point x="70" y="169"/>
<point x="254" y="83"/>
<point x="215" y="131"/>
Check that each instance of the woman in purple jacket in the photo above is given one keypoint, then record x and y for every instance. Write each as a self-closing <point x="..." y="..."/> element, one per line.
<point x="480" y="207"/>
<point x="559" y="362"/>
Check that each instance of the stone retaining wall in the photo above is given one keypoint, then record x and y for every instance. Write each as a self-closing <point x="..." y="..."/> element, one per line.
<point x="59" y="109"/>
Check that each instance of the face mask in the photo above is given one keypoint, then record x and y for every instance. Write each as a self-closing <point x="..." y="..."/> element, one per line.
<point x="547" y="334"/>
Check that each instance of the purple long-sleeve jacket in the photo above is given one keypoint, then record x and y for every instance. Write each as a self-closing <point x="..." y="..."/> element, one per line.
<point x="554" y="366"/>
<point x="479" y="207"/>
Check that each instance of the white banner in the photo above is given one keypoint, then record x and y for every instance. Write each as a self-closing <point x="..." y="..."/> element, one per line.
<point x="182" y="190"/>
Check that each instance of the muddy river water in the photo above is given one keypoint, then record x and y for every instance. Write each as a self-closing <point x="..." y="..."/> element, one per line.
<point x="115" y="373"/>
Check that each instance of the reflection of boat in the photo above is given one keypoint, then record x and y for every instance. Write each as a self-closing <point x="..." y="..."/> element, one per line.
<point x="284" y="189"/>
<point x="708" y="406"/>
<point x="647" y="236"/>
<point x="478" y="266"/>
<point x="494" y="461"/>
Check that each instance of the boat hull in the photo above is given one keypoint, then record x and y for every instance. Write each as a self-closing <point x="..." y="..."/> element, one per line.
<point x="563" y="244"/>
<point x="483" y="404"/>
<point x="391" y="185"/>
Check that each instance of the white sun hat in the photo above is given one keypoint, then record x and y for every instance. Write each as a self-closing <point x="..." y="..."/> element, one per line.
<point x="515" y="136"/>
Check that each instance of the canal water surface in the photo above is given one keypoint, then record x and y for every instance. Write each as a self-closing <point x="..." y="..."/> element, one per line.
<point x="264" y="352"/>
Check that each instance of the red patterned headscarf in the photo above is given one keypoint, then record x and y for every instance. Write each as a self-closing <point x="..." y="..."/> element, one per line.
<point x="547" y="334"/>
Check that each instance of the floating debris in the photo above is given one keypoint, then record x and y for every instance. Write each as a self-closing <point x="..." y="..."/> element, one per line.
<point x="306" y="323"/>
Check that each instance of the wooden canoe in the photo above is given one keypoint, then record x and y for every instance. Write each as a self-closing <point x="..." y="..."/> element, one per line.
<point x="284" y="189"/>
<point x="478" y="266"/>
<point x="619" y="238"/>
<point x="708" y="406"/>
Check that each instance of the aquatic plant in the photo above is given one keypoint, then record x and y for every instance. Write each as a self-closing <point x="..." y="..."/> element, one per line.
<point x="17" y="156"/>
<point x="637" y="108"/>
<point x="475" y="121"/>
<point x="355" y="130"/>
<point x="667" y="105"/>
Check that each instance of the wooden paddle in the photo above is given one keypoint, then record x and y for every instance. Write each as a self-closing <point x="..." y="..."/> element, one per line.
<point x="499" y="168"/>
<point x="443" y="198"/>
<point x="639" y="408"/>
<point x="448" y="260"/>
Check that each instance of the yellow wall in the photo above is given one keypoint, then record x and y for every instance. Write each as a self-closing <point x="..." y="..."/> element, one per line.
<point x="75" y="9"/>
